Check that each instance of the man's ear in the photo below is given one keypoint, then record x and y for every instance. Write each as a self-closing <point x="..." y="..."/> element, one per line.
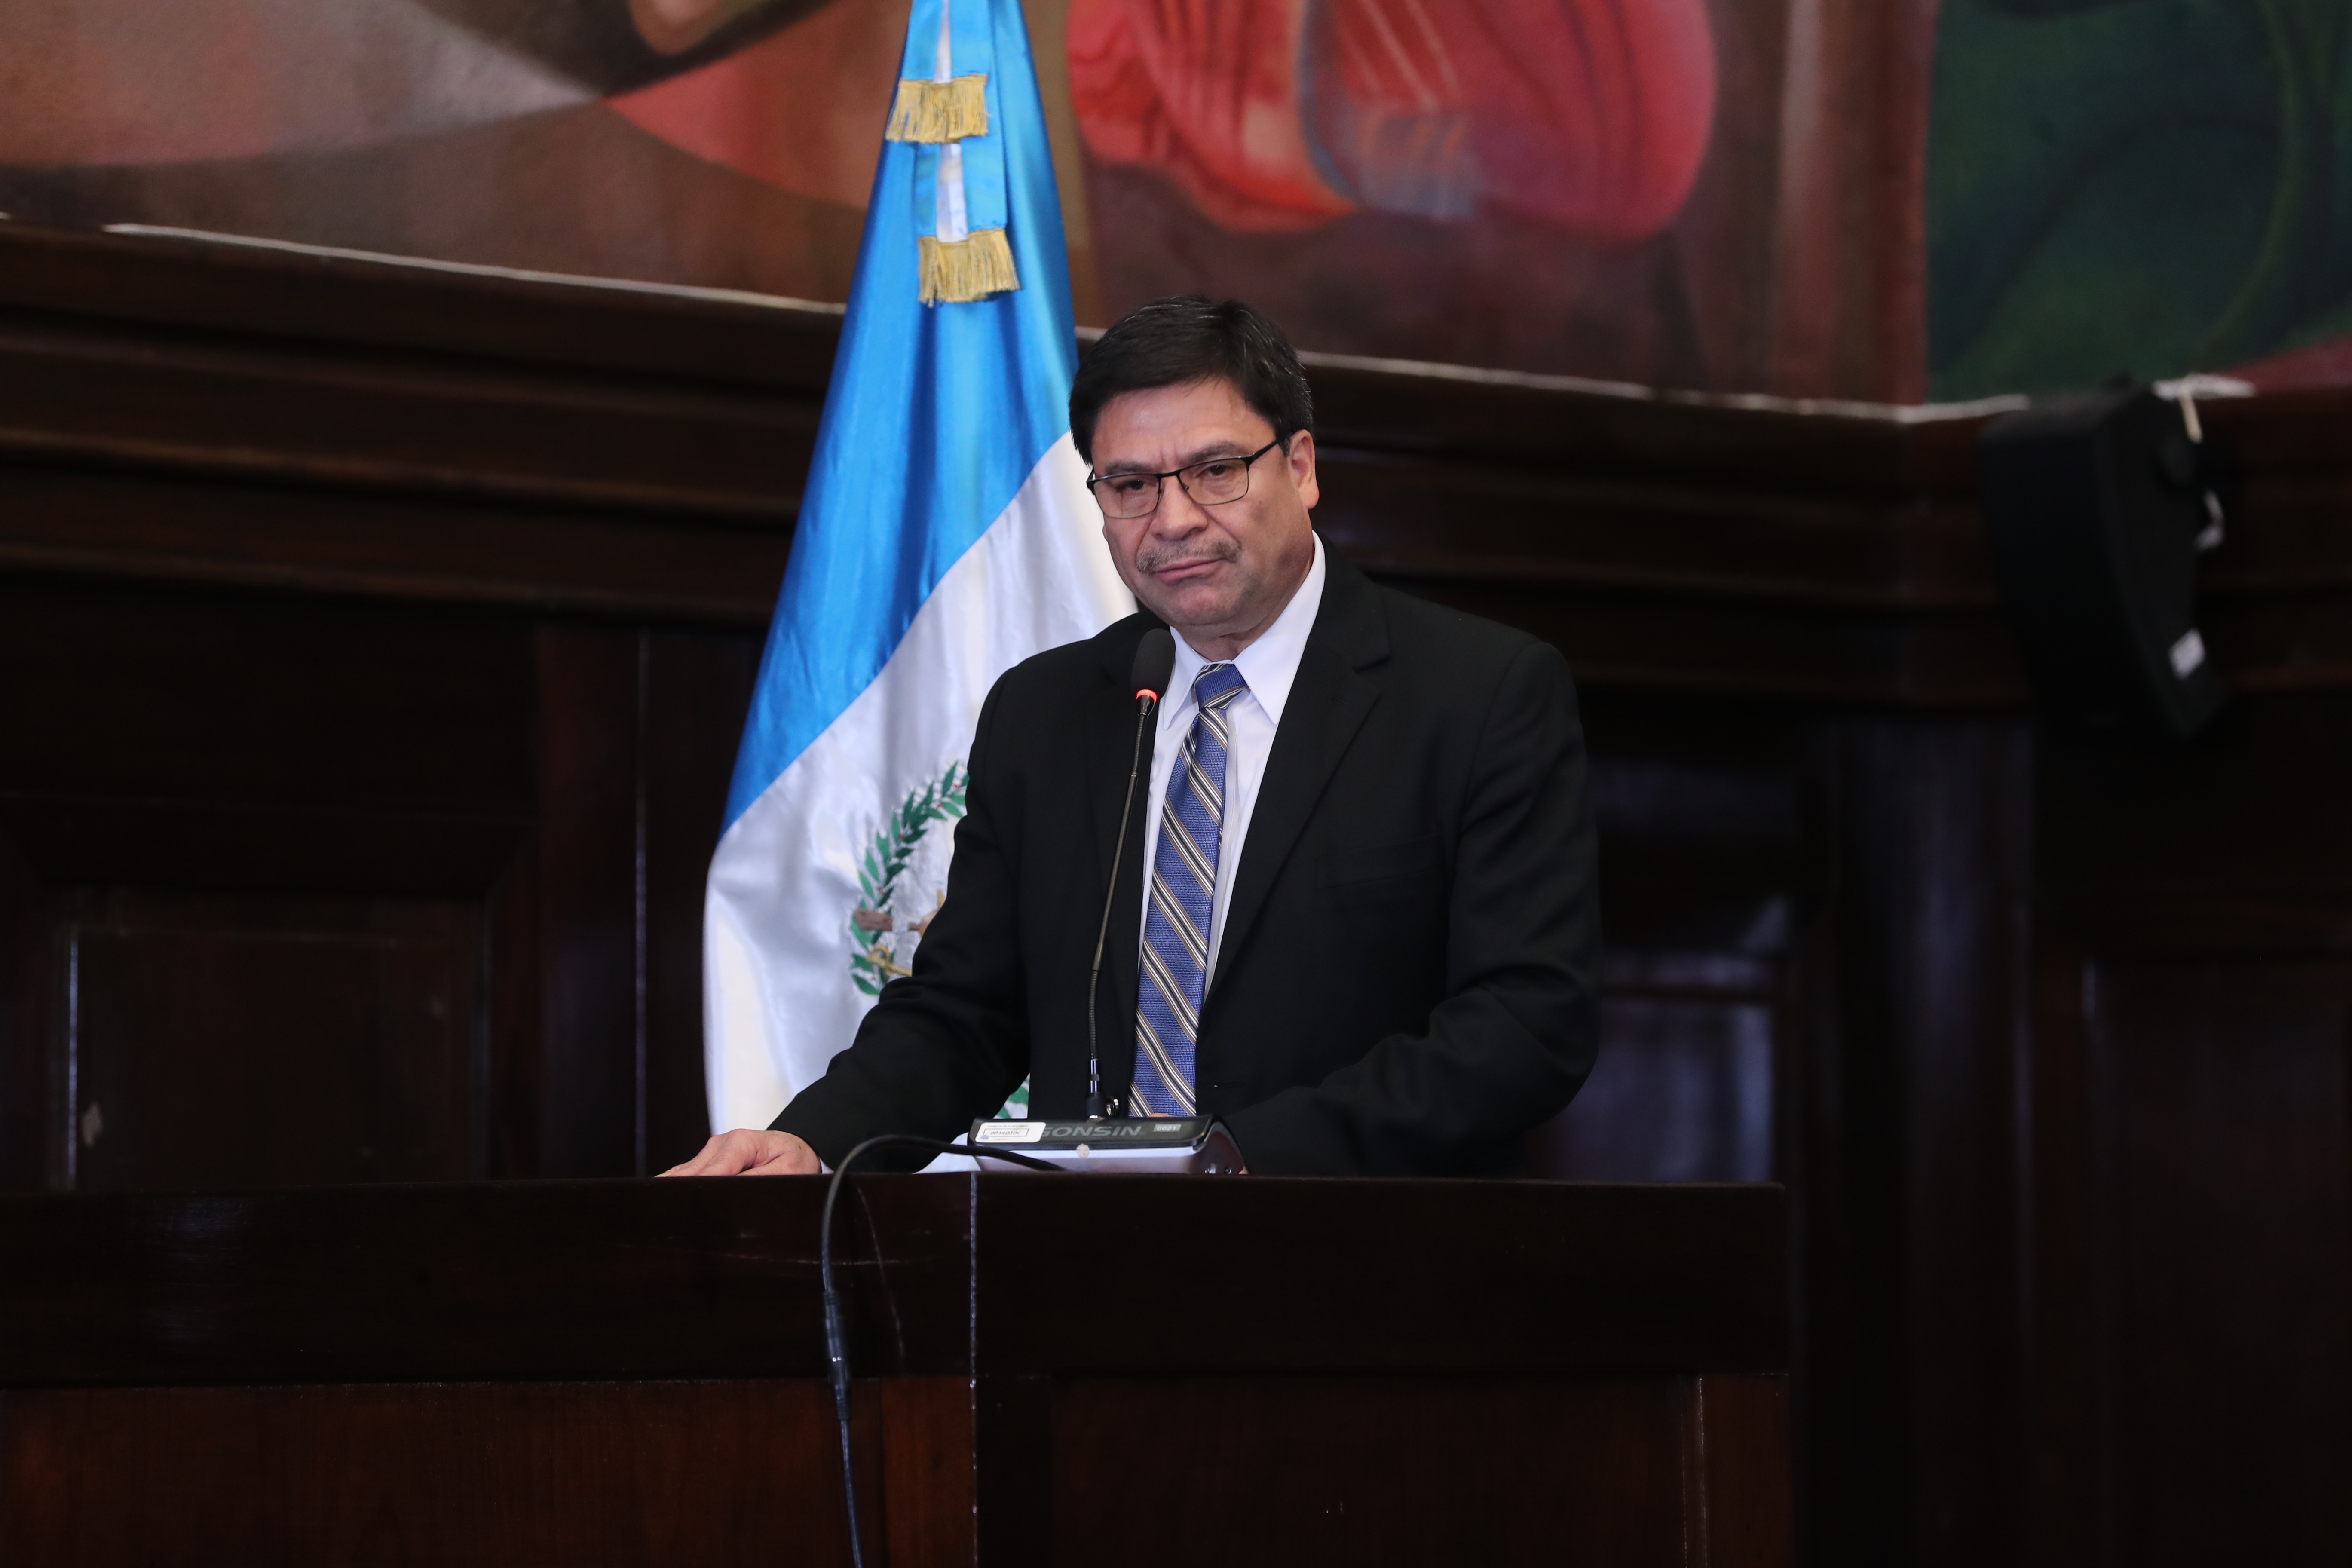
<point x="1302" y="468"/>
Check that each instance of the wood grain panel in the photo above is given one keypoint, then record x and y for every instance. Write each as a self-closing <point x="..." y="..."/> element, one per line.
<point x="1683" y="1091"/>
<point x="2192" y="1136"/>
<point x="244" y="1041"/>
<point x="699" y="692"/>
<point x="445" y="550"/>
<point x="928" y="1477"/>
<point x="1666" y="532"/>
<point x="1694" y="1276"/>
<point x="295" y="298"/>
<point x="2252" y="809"/>
<point x="515" y="1280"/>
<point x="1904" y="1139"/>
<point x="31" y="1107"/>
<point x="365" y="428"/>
<point x="586" y="1067"/>
<point x="330" y="580"/>
<point x="450" y="1473"/>
<point x="717" y="1279"/>
<point x="1747" y="1486"/>
<point x="1290" y="1470"/>
<point x="144" y="397"/>
<point x="237" y="697"/>
<point x="2223" y="1367"/>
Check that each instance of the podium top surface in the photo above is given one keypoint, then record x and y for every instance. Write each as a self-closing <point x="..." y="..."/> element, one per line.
<point x="944" y="1275"/>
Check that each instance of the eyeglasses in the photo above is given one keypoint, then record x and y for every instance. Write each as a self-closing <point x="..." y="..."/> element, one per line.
<point x="1212" y="481"/>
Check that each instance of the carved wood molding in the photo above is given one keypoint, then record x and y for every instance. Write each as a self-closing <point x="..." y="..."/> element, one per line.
<point x="209" y="413"/>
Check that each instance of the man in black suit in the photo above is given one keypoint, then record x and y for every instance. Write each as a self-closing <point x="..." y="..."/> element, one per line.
<point x="1356" y="916"/>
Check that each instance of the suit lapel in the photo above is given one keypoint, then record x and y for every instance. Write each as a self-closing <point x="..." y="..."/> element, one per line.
<point x="1329" y="703"/>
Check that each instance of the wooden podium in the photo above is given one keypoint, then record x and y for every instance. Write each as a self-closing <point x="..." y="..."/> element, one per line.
<point x="1052" y="1369"/>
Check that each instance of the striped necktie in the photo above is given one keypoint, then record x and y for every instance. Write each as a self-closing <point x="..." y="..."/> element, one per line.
<point x="1175" y="970"/>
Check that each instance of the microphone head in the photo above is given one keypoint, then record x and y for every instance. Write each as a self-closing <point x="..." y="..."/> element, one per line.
<point x="1155" y="661"/>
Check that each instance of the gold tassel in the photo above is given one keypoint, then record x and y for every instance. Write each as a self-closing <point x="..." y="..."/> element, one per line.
<point x="938" y="110"/>
<point x="960" y="271"/>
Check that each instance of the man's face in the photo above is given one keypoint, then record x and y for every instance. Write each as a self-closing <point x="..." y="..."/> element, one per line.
<point x="1220" y="574"/>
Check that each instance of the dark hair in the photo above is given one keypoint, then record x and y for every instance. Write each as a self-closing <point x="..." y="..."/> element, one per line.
<point x="1177" y="342"/>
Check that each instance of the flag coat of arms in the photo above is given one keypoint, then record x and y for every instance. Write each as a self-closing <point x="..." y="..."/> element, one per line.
<point x="945" y="535"/>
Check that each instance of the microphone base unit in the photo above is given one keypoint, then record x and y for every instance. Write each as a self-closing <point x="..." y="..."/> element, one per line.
<point x="1141" y="1145"/>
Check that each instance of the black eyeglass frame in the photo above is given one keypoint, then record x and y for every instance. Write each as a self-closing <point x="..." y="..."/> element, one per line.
<point x="1160" y="489"/>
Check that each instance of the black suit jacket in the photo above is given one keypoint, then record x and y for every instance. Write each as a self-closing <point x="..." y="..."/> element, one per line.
<point x="1407" y="976"/>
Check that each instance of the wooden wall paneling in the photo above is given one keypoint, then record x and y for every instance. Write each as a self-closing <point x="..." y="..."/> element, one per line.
<point x="1818" y="540"/>
<point x="1716" y="1297"/>
<point x="2250" y="809"/>
<point x="254" y="825"/>
<point x="1450" y="1385"/>
<point x="927" y="1481"/>
<point x="1594" y="1466"/>
<point x="686" y="1279"/>
<point x="242" y="538"/>
<point x="1677" y="543"/>
<point x="297" y="532"/>
<point x="2064" y="1240"/>
<point x="698" y="690"/>
<point x="383" y="751"/>
<point x="711" y="1472"/>
<point x="31" y="1106"/>
<point x="2193" y="1193"/>
<point x="637" y="732"/>
<point x="1684" y="1089"/>
<point x="513" y="1134"/>
<point x="220" y="414"/>
<point x="242" y="406"/>
<point x="1778" y="446"/>
<point x="161" y="738"/>
<point x="591" y="1039"/>
<point x="1703" y="869"/>
<point x="1703" y="814"/>
<point x="2226" y="1196"/>
<point x="461" y="407"/>
<point x="304" y="299"/>
<point x="1012" y="1431"/>
<point x="245" y="1040"/>
<point x="382" y="372"/>
<point x="1745" y="1476"/>
<point x="1913" y="1347"/>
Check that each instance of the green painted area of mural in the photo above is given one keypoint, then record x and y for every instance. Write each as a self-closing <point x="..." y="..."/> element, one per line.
<point x="2140" y="187"/>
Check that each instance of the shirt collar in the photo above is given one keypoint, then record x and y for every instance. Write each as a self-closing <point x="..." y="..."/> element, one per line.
<point x="1270" y="664"/>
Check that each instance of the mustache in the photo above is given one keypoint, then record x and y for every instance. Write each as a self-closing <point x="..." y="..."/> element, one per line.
<point x="1155" y="558"/>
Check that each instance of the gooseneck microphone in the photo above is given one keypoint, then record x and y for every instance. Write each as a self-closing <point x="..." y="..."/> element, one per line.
<point x="1155" y="661"/>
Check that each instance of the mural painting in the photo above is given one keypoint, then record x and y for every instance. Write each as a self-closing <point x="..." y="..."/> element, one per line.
<point x="2139" y="188"/>
<point x="1887" y="199"/>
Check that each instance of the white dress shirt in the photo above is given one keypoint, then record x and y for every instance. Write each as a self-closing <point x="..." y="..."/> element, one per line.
<point x="1269" y="664"/>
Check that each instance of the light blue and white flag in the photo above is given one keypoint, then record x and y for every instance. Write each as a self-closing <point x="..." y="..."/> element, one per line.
<point x="945" y="535"/>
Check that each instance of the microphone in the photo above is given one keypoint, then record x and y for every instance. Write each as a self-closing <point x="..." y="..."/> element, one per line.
<point x="1155" y="661"/>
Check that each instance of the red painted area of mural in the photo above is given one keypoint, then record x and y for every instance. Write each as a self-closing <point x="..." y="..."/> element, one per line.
<point x="2327" y="363"/>
<point x="1274" y="115"/>
<point x="753" y="111"/>
<point x="1208" y="91"/>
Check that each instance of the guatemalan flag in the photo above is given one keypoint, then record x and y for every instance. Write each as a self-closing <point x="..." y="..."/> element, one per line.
<point x="945" y="535"/>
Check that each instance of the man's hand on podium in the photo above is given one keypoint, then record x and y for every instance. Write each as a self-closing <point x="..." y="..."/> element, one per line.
<point x="746" y="1152"/>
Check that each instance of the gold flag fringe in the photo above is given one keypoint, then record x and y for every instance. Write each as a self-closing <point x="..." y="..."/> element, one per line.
<point x="938" y="110"/>
<point x="957" y="272"/>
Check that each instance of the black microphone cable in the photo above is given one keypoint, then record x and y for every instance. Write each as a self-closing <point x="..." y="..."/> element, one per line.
<point x="1155" y="662"/>
<point x="1102" y="935"/>
<point x="837" y="1348"/>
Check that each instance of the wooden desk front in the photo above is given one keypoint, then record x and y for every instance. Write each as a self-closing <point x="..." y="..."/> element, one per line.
<point x="1053" y="1370"/>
